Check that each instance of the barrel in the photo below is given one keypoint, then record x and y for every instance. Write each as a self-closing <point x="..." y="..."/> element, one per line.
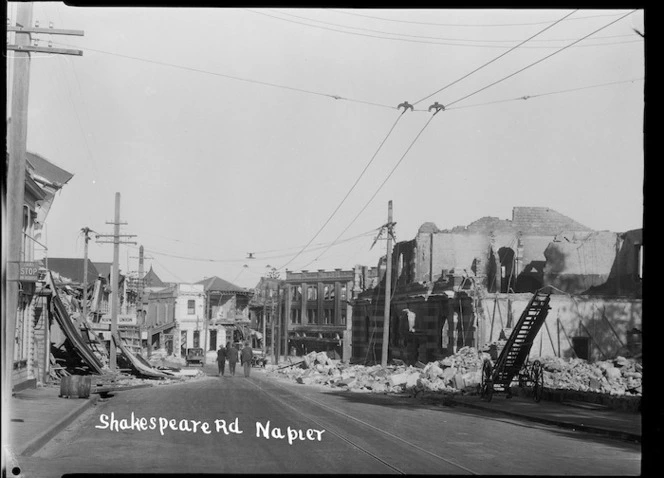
<point x="75" y="385"/>
<point x="84" y="386"/>
<point x="66" y="388"/>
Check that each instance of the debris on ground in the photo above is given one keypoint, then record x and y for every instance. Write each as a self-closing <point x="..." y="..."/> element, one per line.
<point x="620" y="376"/>
<point x="460" y="373"/>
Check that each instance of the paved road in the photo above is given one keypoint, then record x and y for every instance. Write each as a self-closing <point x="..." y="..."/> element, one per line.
<point x="330" y="432"/>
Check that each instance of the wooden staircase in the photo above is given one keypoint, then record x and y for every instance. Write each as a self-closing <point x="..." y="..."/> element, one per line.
<point x="516" y="350"/>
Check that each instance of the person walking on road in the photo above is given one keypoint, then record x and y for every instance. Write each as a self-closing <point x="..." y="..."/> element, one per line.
<point x="247" y="355"/>
<point x="232" y="358"/>
<point x="221" y="359"/>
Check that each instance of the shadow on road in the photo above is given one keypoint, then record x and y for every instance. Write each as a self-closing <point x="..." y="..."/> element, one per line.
<point x="447" y="404"/>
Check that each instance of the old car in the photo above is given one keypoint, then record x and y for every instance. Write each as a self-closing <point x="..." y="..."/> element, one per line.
<point x="258" y="359"/>
<point x="194" y="356"/>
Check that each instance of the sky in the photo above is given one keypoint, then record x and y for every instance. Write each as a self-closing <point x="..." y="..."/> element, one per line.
<point x="230" y="131"/>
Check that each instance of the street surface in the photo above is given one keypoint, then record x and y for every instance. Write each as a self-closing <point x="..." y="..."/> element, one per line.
<point x="291" y="428"/>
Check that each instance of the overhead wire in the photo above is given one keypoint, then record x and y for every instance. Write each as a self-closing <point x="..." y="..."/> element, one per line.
<point x="380" y="146"/>
<point x="428" y="122"/>
<point x="441" y="41"/>
<point x="537" y="95"/>
<point x="80" y="93"/>
<point x="467" y="96"/>
<point x="540" y="60"/>
<point x="485" y="25"/>
<point x="497" y="58"/>
<point x="169" y="271"/>
<point x="203" y="259"/>
<point x="232" y="77"/>
<point x="265" y="251"/>
<point x="379" y="187"/>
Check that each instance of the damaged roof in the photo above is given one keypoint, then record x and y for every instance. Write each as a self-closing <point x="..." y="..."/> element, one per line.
<point x="104" y="268"/>
<point x="527" y="220"/>
<point x="543" y="220"/>
<point x="47" y="170"/>
<point x="72" y="269"/>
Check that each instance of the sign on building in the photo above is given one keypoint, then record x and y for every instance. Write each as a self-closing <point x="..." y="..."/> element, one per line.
<point x="28" y="271"/>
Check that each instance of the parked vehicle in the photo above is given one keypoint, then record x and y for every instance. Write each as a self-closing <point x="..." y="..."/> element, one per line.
<point x="195" y="356"/>
<point x="258" y="359"/>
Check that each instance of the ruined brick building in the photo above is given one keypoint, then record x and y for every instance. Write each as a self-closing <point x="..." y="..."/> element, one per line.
<point x="449" y="285"/>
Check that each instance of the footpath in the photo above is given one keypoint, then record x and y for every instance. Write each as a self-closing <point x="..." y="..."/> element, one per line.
<point x="38" y="415"/>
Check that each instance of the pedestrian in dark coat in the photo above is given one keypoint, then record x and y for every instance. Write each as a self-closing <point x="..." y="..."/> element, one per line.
<point x="232" y="358"/>
<point x="221" y="359"/>
<point x="247" y="354"/>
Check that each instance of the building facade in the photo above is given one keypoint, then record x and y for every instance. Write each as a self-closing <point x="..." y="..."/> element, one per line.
<point x="318" y="310"/>
<point x="42" y="180"/>
<point x="175" y="318"/>
<point x="227" y="313"/>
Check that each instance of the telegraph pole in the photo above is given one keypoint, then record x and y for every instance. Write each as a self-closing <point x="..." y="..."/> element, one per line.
<point x="264" y="341"/>
<point x="388" y="286"/>
<point x="115" y="276"/>
<point x="206" y="318"/>
<point x="18" y="133"/>
<point x="86" y="231"/>
<point x="283" y="318"/>
<point x="272" y="323"/>
<point x="17" y="126"/>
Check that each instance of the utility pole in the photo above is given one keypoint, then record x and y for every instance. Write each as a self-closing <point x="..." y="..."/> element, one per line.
<point x="115" y="277"/>
<point x="388" y="286"/>
<point x="283" y="319"/>
<point x="272" y="323"/>
<point x="17" y="126"/>
<point x="140" y="284"/>
<point x="264" y="341"/>
<point x="206" y="318"/>
<point x="86" y="231"/>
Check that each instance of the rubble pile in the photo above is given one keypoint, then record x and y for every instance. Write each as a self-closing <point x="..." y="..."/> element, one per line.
<point x="126" y="381"/>
<point x="454" y="374"/>
<point x="160" y="358"/>
<point x="620" y="376"/>
<point x="460" y="373"/>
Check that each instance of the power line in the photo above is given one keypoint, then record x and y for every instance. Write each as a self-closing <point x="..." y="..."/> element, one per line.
<point x="393" y="169"/>
<point x="266" y="251"/>
<point x="379" y="187"/>
<point x="540" y="60"/>
<point x="167" y="270"/>
<point x="204" y="259"/>
<point x="470" y="25"/>
<point x="78" y="119"/>
<point x="231" y="77"/>
<point x="482" y="43"/>
<point x="498" y="57"/>
<point x="430" y="119"/>
<point x="527" y="97"/>
<point x="349" y="191"/>
<point x="383" y="37"/>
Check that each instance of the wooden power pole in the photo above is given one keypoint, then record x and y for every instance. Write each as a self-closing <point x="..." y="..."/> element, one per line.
<point x="17" y="135"/>
<point x="86" y="231"/>
<point x="388" y="286"/>
<point x="115" y="277"/>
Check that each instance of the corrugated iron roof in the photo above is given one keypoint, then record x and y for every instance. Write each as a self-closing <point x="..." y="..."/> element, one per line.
<point x="72" y="268"/>
<point x="46" y="169"/>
